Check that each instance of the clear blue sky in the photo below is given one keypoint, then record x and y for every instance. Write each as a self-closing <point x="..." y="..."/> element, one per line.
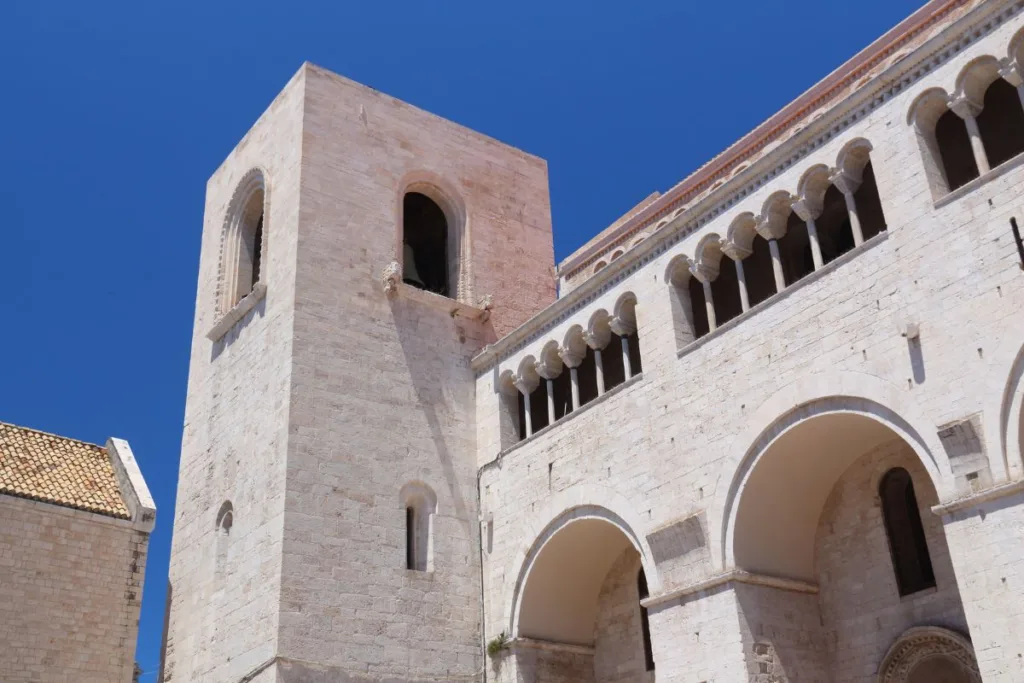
<point x="114" y="114"/>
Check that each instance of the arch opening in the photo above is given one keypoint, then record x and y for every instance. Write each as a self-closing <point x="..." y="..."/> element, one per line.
<point x="425" y="249"/>
<point x="954" y="147"/>
<point x="243" y="266"/>
<point x="1001" y="122"/>
<point x="581" y="586"/>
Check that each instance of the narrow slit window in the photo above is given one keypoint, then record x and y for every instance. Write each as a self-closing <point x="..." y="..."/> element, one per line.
<point x="410" y="538"/>
<point x="907" y="544"/>
<point x="645" y="624"/>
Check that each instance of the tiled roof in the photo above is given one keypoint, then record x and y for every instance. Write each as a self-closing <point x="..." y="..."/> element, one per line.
<point x="57" y="470"/>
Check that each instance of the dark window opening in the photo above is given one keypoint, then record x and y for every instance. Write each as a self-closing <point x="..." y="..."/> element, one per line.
<point x="907" y="545"/>
<point x="795" y="250"/>
<point x="869" y="204"/>
<point x="955" y="150"/>
<point x="611" y="360"/>
<point x="563" y="394"/>
<point x="698" y="307"/>
<point x="521" y="415"/>
<point x="586" y="375"/>
<point x="425" y="240"/>
<point x="410" y="538"/>
<point x="835" y="234"/>
<point x="256" y="252"/>
<point x="725" y="292"/>
<point x="1001" y="123"/>
<point x="635" y="364"/>
<point x="758" y="271"/>
<point x="539" y="406"/>
<point x="645" y="624"/>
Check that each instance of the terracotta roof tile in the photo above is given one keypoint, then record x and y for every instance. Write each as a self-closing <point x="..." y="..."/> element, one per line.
<point x="57" y="470"/>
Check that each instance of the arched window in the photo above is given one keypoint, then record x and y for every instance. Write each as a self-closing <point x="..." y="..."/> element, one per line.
<point x="243" y="247"/>
<point x="645" y="624"/>
<point x="420" y="503"/>
<point x="907" y="545"/>
<point x="425" y="255"/>
<point x="1001" y="123"/>
<point x="225" y="517"/>
<point x="954" y="146"/>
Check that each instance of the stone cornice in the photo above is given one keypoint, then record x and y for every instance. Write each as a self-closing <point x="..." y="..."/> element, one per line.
<point x="831" y="88"/>
<point x="734" y="576"/>
<point x="893" y="80"/>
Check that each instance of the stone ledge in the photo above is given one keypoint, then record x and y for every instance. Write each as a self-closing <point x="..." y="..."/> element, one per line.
<point x="989" y="494"/>
<point x="983" y="179"/>
<point x="442" y="303"/>
<point x="246" y="304"/>
<point x="550" y="646"/>
<point x="778" y="296"/>
<point x="734" y="576"/>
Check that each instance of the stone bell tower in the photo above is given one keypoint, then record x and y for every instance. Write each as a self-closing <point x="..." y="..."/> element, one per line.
<point x="356" y="253"/>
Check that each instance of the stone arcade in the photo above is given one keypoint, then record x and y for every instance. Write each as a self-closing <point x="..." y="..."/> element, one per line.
<point x="770" y="428"/>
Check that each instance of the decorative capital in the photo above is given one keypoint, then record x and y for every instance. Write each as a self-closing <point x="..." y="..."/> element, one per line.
<point x="735" y="251"/>
<point x="703" y="272"/>
<point x="963" y="106"/>
<point x="570" y="358"/>
<point x="595" y="340"/>
<point x="845" y="181"/>
<point x="390" y="278"/>
<point x="769" y="229"/>
<point x="1009" y="71"/>
<point x="621" y="326"/>
<point x="548" y="368"/>
<point x="806" y="208"/>
<point x="525" y="385"/>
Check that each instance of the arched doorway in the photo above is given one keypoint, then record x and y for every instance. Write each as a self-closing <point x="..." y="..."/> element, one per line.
<point x="834" y="498"/>
<point x="578" y="615"/>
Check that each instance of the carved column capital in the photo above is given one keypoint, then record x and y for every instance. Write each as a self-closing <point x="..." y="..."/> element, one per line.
<point x="845" y="181"/>
<point x="621" y="326"/>
<point x="1010" y="72"/>
<point x="735" y="251"/>
<point x="703" y="271"/>
<point x="570" y="358"/>
<point x="596" y="340"/>
<point x="548" y="368"/>
<point x="770" y="229"/>
<point x="963" y="106"/>
<point x="525" y="385"/>
<point x="807" y="209"/>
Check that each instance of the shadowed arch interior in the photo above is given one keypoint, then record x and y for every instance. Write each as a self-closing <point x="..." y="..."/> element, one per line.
<point x="425" y="242"/>
<point x="559" y="600"/>
<point x="785" y="492"/>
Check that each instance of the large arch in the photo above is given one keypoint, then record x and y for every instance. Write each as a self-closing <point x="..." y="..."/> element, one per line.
<point x="583" y="505"/>
<point x="864" y="400"/>
<point x="1004" y="406"/>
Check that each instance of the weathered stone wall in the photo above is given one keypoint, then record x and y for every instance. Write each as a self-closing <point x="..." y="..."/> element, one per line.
<point x="381" y="390"/>
<point x="670" y="444"/>
<point x="861" y="608"/>
<point x="618" y="635"/>
<point x="226" y="590"/>
<point x="70" y="594"/>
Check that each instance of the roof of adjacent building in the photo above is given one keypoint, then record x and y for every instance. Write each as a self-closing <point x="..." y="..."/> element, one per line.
<point x="58" y="470"/>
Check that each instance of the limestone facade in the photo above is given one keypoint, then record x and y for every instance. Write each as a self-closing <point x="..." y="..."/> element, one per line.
<point x="720" y="398"/>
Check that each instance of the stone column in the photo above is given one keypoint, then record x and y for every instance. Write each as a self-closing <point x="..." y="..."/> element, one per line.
<point x="572" y="361"/>
<point x="967" y="109"/>
<point x="772" y="227"/>
<point x="598" y="341"/>
<point x="780" y="277"/>
<point x="549" y="369"/>
<point x="526" y="386"/>
<point x="809" y="210"/>
<point x="848" y="182"/>
<point x="624" y="328"/>
<point x="709" y="304"/>
<point x="737" y="254"/>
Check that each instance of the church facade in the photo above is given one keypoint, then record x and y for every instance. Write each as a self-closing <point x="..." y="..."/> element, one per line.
<point x="766" y="427"/>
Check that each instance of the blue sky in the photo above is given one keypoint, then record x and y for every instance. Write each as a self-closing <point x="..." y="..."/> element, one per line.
<point x="115" y="113"/>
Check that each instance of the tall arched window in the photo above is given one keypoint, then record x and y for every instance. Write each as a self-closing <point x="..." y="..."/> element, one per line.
<point x="954" y="146"/>
<point x="420" y="503"/>
<point x="243" y="246"/>
<point x="910" y="559"/>
<point x="425" y="255"/>
<point x="1001" y="122"/>
<point x="645" y="624"/>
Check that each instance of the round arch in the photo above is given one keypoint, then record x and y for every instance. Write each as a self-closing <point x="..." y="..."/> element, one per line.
<point x="590" y="505"/>
<point x="443" y="193"/>
<point x="1004" y="401"/>
<point x="842" y="393"/>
